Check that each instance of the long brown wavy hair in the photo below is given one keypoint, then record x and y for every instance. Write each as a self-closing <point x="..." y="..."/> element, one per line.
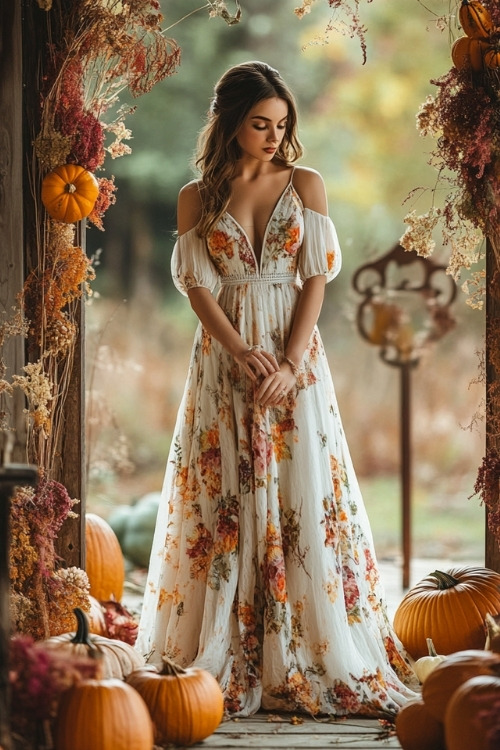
<point x="238" y="90"/>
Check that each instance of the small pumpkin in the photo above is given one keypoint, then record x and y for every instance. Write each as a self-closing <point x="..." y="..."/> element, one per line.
<point x="186" y="705"/>
<point x="492" y="58"/>
<point x="69" y="193"/>
<point x="417" y="729"/>
<point x="475" y="19"/>
<point x="100" y="714"/>
<point x="449" y="607"/>
<point x="104" y="559"/>
<point x="426" y="664"/>
<point x="119" y="659"/>
<point x="468" y="53"/>
<point x="452" y="673"/>
<point x="472" y="714"/>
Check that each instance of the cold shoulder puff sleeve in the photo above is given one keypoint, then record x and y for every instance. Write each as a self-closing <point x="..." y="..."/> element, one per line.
<point x="320" y="253"/>
<point x="191" y="265"/>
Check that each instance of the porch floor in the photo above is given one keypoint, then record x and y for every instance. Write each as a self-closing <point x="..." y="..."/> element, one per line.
<point x="267" y="730"/>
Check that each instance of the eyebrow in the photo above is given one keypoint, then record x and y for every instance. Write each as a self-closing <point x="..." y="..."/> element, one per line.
<point x="267" y="119"/>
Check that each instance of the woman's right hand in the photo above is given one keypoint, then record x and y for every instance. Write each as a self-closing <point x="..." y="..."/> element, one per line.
<point x="257" y="362"/>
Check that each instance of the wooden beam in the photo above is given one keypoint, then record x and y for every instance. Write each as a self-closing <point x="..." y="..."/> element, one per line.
<point x="492" y="547"/>
<point x="38" y="26"/>
<point x="12" y="444"/>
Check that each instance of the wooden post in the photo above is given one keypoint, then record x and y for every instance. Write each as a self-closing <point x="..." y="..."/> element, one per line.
<point x="492" y="547"/>
<point x="38" y="26"/>
<point x="9" y="477"/>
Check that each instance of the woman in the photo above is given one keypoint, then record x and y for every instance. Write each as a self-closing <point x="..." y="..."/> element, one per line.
<point x="263" y="569"/>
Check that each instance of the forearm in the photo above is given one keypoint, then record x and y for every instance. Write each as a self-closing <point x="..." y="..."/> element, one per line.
<point x="305" y="318"/>
<point x="215" y="321"/>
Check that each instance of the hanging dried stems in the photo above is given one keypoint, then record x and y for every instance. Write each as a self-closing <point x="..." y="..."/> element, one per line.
<point x="345" y="19"/>
<point x="464" y="118"/>
<point x="97" y="48"/>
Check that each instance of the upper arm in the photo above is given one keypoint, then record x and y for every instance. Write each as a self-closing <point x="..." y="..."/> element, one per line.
<point x="310" y="186"/>
<point x="188" y="207"/>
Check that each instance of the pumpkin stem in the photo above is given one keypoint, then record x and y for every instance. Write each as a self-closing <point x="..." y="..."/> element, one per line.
<point x="171" y="668"/>
<point x="445" y="580"/>
<point x="70" y="187"/>
<point x="430" y="647"/>
<point x="82" y="634"/>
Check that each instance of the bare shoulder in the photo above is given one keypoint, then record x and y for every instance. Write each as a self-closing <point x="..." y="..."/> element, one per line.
<point x="188" y="207"/>
<point x="310" y="186"/>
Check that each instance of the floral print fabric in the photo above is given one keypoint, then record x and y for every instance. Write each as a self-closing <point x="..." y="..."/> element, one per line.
<point x="263" y="569"/>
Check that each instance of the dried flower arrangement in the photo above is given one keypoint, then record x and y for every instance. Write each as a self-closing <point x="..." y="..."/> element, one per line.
<point x="464" y="118"/>
<point x="97" y="49"/>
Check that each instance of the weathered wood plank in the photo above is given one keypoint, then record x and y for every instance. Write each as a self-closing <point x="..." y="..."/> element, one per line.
<point x="264" y="732"/>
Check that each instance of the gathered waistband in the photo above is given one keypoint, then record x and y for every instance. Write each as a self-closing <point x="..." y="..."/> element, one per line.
<point x="264" y="279"/>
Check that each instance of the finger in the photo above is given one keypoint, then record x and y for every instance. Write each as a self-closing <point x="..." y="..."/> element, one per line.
<point x="261" y="364"/>
<point x="270" y="360"/>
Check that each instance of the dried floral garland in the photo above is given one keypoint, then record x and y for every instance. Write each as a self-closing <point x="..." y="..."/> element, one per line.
<point x="100" y="47"/>
<point x="464" y="118"/>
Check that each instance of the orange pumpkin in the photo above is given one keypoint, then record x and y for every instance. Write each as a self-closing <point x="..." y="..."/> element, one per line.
<point x="471" y="715"/>
<point x="104" y="564"/>
<point x="186" y="705"/>
<point x="69" y="193"/>
<point x="417" y="729"/>
<point x="492" y="58"/>
<point x="100" y="714"/>
<point x="118" y="659"/>
<point x="440" y="685"/>
<point x="450" y="608"/>
<point x="469" y="53"/>
<point x="475" y="19"/>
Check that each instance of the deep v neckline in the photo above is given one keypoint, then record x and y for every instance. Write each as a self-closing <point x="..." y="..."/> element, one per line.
<point x="258" y="260"/>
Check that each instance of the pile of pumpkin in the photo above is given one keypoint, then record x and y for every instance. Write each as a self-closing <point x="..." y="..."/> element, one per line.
<point x="449" y="623"/>
<point x="129" y="705"/>
<point x="479" y="49"/>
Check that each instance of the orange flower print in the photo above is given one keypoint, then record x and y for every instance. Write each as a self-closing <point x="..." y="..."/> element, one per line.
<point x="331" y="586"/>
<point x="278" y="435"/>
<point x="199" y="550"/>
<point x="330" y="523"/>
<point x="227" y="524"/>
<point x="274" y="565"/>
<point x="337" y="484"/>
<point x="299" y="689"/>
<point x="351" y="595"/>
<point x="188" y="485"/>
<point x="292" y="239"/>
<point x="262" y="451"/>
<point x="220" y="244"/>
<point x="330" y="259"/>
<point x="209" y="460"/>
<point x="343" y="698"/>
<point x="206" y="343"/>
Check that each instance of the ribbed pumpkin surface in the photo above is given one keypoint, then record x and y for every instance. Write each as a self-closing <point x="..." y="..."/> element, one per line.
<point x="452" y="614"/>
<point x="105" y="565"/>
<point x="186" y="707"/>
<point x="102" y="715"/>
<point x="69" y="193"/>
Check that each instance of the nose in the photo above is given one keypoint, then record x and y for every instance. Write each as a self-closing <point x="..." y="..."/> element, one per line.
<point x="273" y="136"/>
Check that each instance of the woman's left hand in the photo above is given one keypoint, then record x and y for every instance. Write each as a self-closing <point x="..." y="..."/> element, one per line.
<point x="275" y="387"/>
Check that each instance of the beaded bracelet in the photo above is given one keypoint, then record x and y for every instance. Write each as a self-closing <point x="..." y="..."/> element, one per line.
<point x="294" y="368"/>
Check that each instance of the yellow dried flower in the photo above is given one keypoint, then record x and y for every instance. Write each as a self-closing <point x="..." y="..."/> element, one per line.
<point x="418" y="236"/>
<point x="38" y="389"/>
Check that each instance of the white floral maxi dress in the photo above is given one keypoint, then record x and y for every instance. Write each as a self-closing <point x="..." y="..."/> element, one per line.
<point x="263" y="569"/>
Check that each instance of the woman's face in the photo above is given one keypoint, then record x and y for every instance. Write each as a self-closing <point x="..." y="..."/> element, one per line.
<point x="263" y="129"/>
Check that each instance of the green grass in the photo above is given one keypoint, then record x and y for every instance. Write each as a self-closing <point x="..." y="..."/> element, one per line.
<point x="444" y="524"/>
